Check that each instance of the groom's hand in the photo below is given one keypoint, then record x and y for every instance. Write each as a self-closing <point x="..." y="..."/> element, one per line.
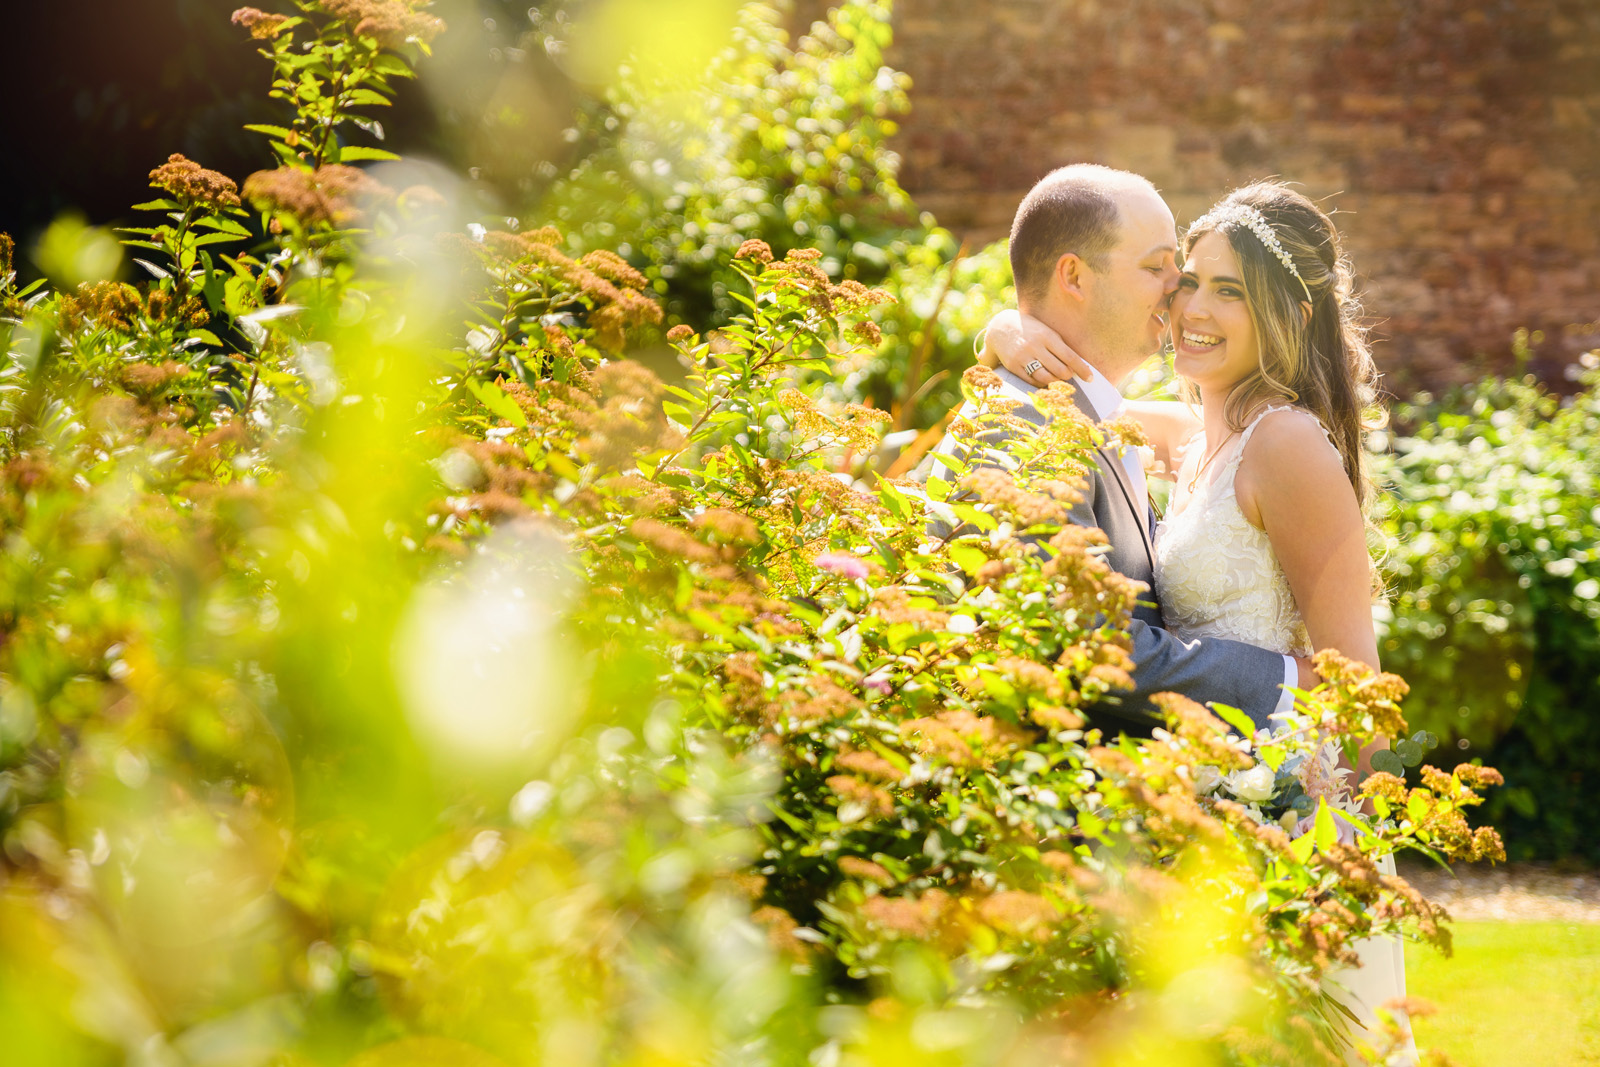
<point x="1309" y="678"/>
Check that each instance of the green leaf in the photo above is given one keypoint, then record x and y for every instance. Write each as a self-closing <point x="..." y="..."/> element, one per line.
<point x="1389" y="763"/>
<point x="1090" y="824"/>
<point x="1426" y="739"/>
<point x="158" y="205"/>
<point x="1235" y="718"/>
<point x="968" y="558"/>
<point x="280" y="132"/>
<point x="215" y="238"/>
<point x="366" y="98"/>
<point x="350" y="153"/>
<point x="1302" y="846"/>
<point x="495" y="399"/>
<point x="1327" y="834"/>
<point x="1409" y="751"/>
<point x="222" y="226"/>
<point x="392" y="65"/>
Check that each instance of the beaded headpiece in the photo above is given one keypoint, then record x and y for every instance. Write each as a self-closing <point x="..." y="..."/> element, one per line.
<point x="1257" y="224"/>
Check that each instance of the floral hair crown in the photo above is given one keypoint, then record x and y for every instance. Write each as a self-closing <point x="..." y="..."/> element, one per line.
<point x="1257" y="224"/>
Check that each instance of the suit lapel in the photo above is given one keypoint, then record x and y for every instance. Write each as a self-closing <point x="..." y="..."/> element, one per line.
<point x="1111" y="465"/>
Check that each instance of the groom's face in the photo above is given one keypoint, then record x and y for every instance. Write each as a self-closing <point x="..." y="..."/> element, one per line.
<point x="1128" y="300"/>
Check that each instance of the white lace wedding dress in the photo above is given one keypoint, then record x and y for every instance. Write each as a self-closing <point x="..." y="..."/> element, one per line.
<point x="1217" y="576"/>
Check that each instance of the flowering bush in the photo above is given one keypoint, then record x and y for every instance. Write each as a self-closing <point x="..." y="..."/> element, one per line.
<point x="370" y="698"/>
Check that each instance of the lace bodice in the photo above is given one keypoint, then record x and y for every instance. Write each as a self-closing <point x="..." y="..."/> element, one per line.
<point x="1216" y="574"/>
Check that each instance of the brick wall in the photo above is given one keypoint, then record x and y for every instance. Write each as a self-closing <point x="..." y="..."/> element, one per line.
<point x="1457" y="139"/>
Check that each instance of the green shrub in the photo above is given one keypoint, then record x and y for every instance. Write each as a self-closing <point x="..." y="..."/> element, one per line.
<point x="785" y="143"/>
<point x="1496" y="601"/>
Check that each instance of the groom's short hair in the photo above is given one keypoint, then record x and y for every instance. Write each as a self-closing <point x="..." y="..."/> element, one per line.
<point x="1071" y="209"/>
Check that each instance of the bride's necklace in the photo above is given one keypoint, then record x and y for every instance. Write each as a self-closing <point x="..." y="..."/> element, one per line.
<point x="1205" y="461"/>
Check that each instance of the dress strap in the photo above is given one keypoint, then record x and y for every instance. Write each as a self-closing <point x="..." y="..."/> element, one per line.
<point x="1264" y="412"/>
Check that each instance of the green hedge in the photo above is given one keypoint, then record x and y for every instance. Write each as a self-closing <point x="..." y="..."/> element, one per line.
<point x="1495" y="613"/>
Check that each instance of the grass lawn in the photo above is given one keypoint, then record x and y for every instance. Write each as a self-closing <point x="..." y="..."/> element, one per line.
<point x="1515" y="993"/>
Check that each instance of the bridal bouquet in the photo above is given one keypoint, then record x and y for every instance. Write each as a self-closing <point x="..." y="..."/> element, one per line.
<point x="1298" y="764"/>
<point x="1301" y="777"/>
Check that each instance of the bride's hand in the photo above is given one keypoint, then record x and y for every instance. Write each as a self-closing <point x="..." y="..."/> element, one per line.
<point x="1031" y="350"/>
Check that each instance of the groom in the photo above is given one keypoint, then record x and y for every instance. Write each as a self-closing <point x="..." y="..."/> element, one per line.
<point x="1093" y="253"/>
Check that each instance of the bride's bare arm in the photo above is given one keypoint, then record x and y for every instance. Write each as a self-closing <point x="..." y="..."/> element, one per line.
<point x="1169" y="424"/>
<point x="1016" y="340"/>
<point x="1292" y="484"/>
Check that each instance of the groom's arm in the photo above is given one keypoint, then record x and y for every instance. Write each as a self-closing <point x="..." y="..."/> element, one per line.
<point x="1205" y="669"/>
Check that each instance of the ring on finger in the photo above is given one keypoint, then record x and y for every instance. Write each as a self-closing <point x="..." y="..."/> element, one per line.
<point x="1033" y="367"/>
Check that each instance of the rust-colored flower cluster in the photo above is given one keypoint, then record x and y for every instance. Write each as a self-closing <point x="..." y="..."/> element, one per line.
<point x="104" y="305"/>
<point x="166" y="307"/>
<point x="798" y="272"/>
<point x="1436" y="809"/>
<point x="867" y="871"/>
<point x="1173" y="816"/>
<point x="330" y="195"/>
<point x="963" y="738"/>
<point x="917" y="918"/>
<point x="1019" y="913"/>
<point x="1025" y="508"/>
<point x="780" y="928"/>
<point x="868" y="764"/>
<point x="755" y="251"/>
<point x="611" y="285"/>
<point x="191" y="183"/>
<point x="1206" y="736"/>
<point x="263" y="26"/>
<point x="874" y="800"/>
<point x="391" y="23"/>
<point x="119" y="306"/>
<point x="150" y="381"/>
<point x="1355" y="691"/>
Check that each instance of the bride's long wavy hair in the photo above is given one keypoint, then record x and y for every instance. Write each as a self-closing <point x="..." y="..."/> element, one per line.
<point x="1319" y="361"/>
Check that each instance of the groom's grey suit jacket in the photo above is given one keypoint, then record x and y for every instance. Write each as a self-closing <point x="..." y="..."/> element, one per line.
<point x="1203" y="669"/>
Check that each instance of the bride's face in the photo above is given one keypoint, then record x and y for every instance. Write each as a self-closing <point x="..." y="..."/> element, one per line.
<point x="1214" y="341"/>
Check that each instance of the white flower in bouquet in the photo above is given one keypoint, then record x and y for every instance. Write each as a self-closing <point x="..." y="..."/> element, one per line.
<point x="1253" y="785"/>
<point x="1206" y="779"/>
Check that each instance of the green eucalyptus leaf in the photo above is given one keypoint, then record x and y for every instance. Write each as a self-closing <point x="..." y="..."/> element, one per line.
<point x="1388" y="762"/>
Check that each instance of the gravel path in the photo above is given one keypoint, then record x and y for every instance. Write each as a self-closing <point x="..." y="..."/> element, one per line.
<point x="1517" y="892"/>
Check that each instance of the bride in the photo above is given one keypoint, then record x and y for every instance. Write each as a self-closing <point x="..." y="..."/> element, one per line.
<point x="1265" y="539"/>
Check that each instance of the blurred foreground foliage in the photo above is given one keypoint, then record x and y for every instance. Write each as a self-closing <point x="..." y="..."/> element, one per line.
<point x="786" y="142"/>
<point x="388" y="676"/>
<point x="1495" y="519"/>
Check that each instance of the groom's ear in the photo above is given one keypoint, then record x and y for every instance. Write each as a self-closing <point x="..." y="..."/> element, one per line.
<point x="1069" y="276"/>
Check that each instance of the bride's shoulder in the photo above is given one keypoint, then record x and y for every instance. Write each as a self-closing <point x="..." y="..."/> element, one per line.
<point x="1291" y="439"/>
